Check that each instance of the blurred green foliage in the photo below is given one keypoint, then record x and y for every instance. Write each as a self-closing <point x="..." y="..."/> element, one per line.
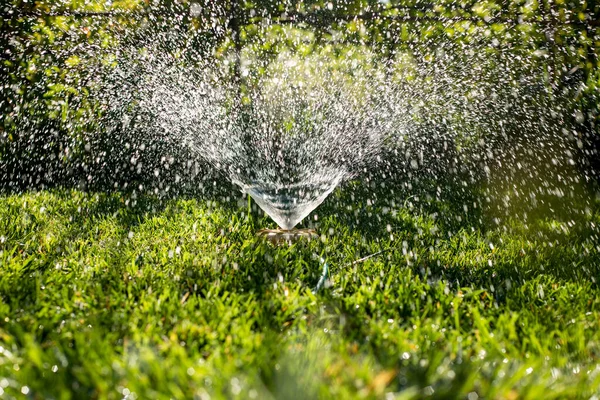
<point x="52" y="51"/>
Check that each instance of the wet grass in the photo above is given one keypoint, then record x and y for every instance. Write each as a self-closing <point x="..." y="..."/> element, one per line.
<point x="105" y="296"/>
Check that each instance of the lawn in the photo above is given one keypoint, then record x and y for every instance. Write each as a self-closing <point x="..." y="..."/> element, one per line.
<point x="113" y="296"/>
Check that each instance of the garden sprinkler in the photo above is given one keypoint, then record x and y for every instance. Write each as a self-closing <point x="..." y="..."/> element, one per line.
<point x="289" y="236"/>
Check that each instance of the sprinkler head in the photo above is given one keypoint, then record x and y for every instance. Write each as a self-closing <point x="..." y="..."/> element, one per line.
<point x="280" y="236"/>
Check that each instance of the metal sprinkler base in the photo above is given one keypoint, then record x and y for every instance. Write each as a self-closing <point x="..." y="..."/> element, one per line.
<point x="279" y="236"/>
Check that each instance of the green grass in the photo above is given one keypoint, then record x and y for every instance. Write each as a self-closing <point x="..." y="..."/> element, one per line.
<point x="105" y="296"/>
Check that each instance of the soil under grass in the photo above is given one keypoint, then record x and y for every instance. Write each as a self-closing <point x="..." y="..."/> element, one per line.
<point x="104" y="296"/>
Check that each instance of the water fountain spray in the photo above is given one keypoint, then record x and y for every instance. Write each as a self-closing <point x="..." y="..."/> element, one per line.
<point x="302" y="130"/>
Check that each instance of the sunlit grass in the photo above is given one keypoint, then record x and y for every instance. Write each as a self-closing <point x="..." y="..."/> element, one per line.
<point x="105" y="296"/>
